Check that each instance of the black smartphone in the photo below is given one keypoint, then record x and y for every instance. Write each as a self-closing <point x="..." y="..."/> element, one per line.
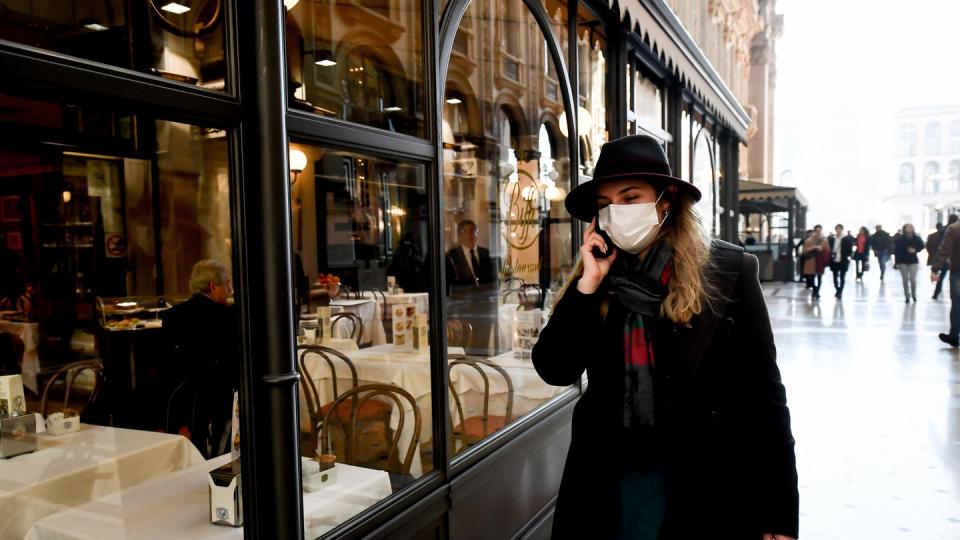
<point x="596" y="251"/>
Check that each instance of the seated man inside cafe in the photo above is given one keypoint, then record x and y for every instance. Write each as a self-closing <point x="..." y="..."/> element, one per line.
<point x="203" y="335"/>
<point x="468" y="263"/>
<point x="472" y="289"/>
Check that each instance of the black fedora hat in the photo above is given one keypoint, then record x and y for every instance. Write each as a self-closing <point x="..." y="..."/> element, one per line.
<point x="635" y="156"/>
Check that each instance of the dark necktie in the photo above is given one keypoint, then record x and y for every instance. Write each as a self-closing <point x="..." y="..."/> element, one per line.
<point x="475" y="263"/>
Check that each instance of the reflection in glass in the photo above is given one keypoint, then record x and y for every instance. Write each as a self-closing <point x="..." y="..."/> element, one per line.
<point x="592" y="94"/>
<point x="359" y="61"/>
<point x="507" y="238"/>
<point x="644" y="104"/>
<point x="360" y="242"/>
<point x="181" y="40"/>
<point x="704" y="177"/>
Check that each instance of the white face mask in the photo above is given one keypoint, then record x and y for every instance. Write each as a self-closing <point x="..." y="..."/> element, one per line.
<point x="631" y="226"/>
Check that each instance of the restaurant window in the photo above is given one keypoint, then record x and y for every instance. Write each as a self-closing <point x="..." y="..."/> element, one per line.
<point x="704" y="177"/>
<point x="931" y="138"/>
<point x="931" y="177"/>
<point x="359" y="61"/>
<point x="906" y="179"/>
<point x="116" y="311"/>
<point x="181" y="41"/>
<point x="592" y="93"/>
<point x="507" y="237"/>
<point x="686" y="146"/>
<point x="362" y="298"/>
<point x="953" y="177"/>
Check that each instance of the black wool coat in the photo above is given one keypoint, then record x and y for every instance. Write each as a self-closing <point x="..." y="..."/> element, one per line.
<point x="720" y="412"/>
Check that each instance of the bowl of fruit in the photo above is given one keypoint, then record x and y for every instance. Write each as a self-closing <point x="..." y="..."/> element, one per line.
<point x="329" y="282"/>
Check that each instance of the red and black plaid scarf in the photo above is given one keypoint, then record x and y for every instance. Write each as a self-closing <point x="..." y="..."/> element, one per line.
<point x="641" y="290"/>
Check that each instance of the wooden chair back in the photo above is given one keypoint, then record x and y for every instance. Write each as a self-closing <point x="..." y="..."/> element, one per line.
<point x="459" y="333"/>
<point x="69" y="373"/>
<point x="357" y="397"/>
<point x="479" y="364"/>
<point x="310" y="387"/>
<point x="356" y="324"/>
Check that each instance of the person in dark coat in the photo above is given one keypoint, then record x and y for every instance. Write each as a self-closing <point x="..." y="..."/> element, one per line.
<point x="683" y="431"/>
<point x="841" y="249"/>
<point x="948" y="256"/>
<point x="468" y="263"/>
<point x="882" y="247"/>
<point x="933" y="245"/>
<point x="906" y="246"/>
<point x="203" y="335"/>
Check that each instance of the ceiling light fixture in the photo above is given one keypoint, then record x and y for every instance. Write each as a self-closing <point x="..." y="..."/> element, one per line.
<point x="454" y="101"/>
<point x="289" y="4"/>
<point x="96" y="27"/>
<point x="392" y="109"/>
<point x="325" y="63"/>
<point x="176" y="8"/>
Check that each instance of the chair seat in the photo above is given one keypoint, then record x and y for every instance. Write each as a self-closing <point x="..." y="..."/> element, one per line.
<point x="471" y="431"/>
<point x="369" y="409"/>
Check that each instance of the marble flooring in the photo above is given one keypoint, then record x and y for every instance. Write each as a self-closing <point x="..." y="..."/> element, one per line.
<point x="875" y="402"/>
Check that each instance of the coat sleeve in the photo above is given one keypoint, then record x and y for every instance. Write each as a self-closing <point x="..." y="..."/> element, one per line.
<point x="568" y="340"/>
<point x="780" y="514"/>
<point x="947" y="245"/>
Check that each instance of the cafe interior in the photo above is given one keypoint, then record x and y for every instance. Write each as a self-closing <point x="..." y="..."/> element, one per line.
<point x="380" y="241"/>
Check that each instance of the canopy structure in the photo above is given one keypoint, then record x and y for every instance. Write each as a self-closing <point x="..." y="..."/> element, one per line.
<point x="765" y="200"/>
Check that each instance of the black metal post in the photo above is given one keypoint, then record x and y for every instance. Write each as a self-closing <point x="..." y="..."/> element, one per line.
<point x="273" y="503"/>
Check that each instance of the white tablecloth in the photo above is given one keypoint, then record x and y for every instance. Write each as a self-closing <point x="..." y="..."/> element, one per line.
<point x="70" y="470"/>
<point x="422" y="300"/>
<point x="411" y="371"/>
<point x="177" y="506"/>
<point x="29" y="334"/>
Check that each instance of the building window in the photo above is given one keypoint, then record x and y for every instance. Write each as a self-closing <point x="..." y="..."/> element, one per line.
<point x="931" y="178"/>
<point x="508" y="240"/>
<point x="186" y="45"/>
<point x="336" y="68"/>
<point x="931" y="138"/>
<point x="592" y="109"/>
<point x="954" y="140"/>
<point x="908" y="140"/>
<point x="906" y="179"/>
<point x="953" y="177"/>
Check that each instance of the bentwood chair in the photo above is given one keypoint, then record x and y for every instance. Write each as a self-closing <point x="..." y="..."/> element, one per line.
<point x="472" y="430"/>
<point x="459" y="333"/>
<point x="371" y="443"/>
<point x="69" y="374"/>
<point x="316" y="411"/>
<point x="356" y="324"/>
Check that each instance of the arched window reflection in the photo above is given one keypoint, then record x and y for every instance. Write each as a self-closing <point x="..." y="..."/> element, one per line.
<point x="953" y="177"/>
<point x="704" y="178"/>
<point x="931" y="177"/>
<point x="908" y="140"/>
<point x="906" y="179"/>
<point x="931" y="138"/>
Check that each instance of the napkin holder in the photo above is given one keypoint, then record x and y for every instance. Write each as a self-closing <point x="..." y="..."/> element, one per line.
<point x="18" y="435"/>
<point x="319" y="473"/>
<point x="61" y="425"/>
<point x="226" y="500"/>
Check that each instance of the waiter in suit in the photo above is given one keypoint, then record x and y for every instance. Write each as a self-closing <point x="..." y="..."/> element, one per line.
<point x="468" y="263"/>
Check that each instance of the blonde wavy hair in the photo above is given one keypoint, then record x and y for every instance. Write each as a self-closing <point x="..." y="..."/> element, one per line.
<point x="689" y="291"/>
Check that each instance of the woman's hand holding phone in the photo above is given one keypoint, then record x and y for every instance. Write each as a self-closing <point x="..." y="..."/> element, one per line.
<point x="594" y="269"/>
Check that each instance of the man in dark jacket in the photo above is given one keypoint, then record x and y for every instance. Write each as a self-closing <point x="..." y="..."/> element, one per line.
<point x="202" y="333"/>
<point x="468" y="263"/>
<point x="933" y="244"/>
<point x="882" y="245"/>
<point x="841" y="249"/>
<point x="949" y="254"/>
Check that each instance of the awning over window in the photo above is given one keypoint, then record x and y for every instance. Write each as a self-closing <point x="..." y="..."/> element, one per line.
<point x="757" y="198"/>
<point x="660" y="28"/>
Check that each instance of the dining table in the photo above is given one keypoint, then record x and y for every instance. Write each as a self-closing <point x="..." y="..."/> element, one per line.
<point x="29" y="334"/>
<point x="410" y="369"/>
<point x="72" y="469"/>
<point x="177" y="506"/>
<point x="385" y="301"/>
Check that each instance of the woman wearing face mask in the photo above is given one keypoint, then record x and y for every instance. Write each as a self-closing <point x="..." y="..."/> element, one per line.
<point x="683" y="431"/>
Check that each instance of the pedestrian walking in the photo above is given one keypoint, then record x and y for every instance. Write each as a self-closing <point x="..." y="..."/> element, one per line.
<point x="816" y="252"/>
<point x="798" y="249"/>
<point x="949" y="254"/>
<point x="841" y="249"/>
<point x="670" y="440"/>
<point x="933" y="244"/>
<point x="862" y="256"/>
<point x="882" y="247"/>
<point x="906" y="247"/>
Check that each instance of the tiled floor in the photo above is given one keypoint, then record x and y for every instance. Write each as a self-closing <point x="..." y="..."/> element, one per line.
<point x="875" y="399"/>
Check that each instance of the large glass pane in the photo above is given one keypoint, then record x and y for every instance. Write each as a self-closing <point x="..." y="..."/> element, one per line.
<point x="117" y="315"/>
<point x="644" y="104"/>
<point x="358" y="60"/>
<point x="181" y="40"/>
<point x="507" y="237"/>
<point x="360" y="238"/>
<point x="592" y="93"/>
<point x="704" y="177"/>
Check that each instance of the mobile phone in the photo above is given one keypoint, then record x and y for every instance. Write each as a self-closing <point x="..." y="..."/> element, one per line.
<point x="596" y="251"/>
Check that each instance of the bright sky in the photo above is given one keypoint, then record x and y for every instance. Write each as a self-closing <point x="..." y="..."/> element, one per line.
<point x="844" y="68"/>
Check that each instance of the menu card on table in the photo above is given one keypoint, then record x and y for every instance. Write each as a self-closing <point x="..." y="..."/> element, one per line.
<point x="404" y="320"/>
